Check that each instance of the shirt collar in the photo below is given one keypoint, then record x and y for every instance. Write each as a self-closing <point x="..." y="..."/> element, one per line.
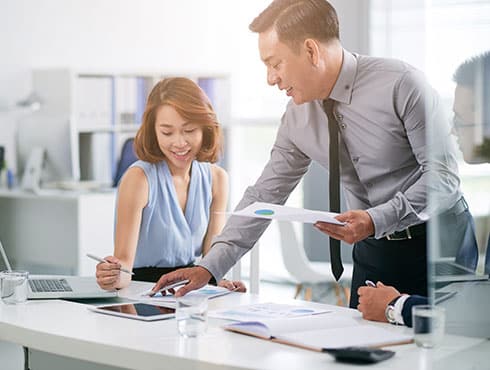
<point x="342" y="90"/>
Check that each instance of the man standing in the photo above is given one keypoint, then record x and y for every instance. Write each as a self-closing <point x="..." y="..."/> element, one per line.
<point x="381" y="109"/>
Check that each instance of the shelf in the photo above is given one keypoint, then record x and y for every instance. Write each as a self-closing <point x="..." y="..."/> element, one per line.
<point x="117" y="128"/>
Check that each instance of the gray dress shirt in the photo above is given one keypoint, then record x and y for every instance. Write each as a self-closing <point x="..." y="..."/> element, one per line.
<point x="396" y="146"/>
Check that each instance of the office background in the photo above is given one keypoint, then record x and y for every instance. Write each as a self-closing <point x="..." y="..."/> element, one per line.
<point x="211" y="37"/>
<point x="186" y="37"/>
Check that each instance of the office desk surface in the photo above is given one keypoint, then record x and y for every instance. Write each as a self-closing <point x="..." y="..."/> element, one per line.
<point x="70" y="329"/>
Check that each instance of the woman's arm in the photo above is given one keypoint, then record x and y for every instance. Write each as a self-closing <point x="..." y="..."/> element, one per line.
<point x="132" y="198"/>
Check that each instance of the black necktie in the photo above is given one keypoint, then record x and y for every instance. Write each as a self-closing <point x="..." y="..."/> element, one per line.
<point x="334" y="184"/>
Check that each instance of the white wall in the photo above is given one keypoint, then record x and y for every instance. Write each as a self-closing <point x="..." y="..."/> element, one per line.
<point x="180" y="35"/>
<point x="158" y="35"/>
<point x="168" y="35"/>
<point x="111" y="34"/>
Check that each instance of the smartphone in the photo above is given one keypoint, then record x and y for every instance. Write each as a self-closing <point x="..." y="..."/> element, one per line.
<point x="137" y="311"/>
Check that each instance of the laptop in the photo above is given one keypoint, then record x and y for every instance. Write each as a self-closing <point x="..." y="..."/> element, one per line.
<point x="61" y="287"/>
<point x="66" y="287"/>
<point x="446" y="270"/>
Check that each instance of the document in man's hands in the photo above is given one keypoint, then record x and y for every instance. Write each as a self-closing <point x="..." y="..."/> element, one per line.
<point x="284" y="213"/>
<point x="320" y="332"/>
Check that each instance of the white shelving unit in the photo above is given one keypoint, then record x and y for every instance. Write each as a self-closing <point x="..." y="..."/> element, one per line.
<point x="104" y="108"/>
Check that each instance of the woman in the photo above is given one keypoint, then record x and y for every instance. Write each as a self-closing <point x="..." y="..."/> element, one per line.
<point x="170" y="203"/>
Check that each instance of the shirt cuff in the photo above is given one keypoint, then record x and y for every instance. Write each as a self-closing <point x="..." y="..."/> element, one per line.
<point x="384" y="219"/>
<point x="398" y="309"/>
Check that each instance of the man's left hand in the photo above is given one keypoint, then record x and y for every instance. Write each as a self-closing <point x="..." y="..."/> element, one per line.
<point x="358" y="226"/>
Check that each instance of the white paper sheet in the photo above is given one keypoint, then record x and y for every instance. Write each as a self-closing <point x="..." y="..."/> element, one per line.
<point x="284" y="213"/>
<point x="208" y="291"/>
<point x="262" y="311"/>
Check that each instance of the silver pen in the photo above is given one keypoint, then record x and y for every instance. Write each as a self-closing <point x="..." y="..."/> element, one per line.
<point x="99" y="259"/>
<point x="370" y="283"/>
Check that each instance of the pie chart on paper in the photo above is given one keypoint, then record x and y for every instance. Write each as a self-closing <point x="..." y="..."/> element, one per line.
<point x="283" y="213"/>
<point x="264" y="212"/>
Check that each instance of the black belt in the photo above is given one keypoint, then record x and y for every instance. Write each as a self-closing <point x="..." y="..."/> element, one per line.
<point x="409" y="233"/>
<point x="421" y="229"/>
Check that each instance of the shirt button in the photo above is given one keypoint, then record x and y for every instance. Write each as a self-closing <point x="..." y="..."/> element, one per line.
<point x="343" y="125"/>
<point x="340" y="117"/>
<point x="355" y="159"/>
<point x="369" y="184"/>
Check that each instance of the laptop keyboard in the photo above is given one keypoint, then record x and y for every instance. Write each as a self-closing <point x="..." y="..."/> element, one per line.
<point x="49" y="285"/>
<point x="443" y="269"/>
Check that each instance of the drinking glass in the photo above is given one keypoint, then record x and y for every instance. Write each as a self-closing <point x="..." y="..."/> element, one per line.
<point x="192" y="315"/>
<point x="428" y="325"/>
<point x="13" y="286"/>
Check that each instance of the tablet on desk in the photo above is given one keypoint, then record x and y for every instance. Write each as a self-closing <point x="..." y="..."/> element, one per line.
<point x="138" y="311"/>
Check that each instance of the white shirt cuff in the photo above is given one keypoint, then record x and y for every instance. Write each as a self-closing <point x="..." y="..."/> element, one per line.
<point x="398" y="309"/>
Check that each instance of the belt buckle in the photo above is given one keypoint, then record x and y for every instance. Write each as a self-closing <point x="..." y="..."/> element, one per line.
<point x="407" y="235"/>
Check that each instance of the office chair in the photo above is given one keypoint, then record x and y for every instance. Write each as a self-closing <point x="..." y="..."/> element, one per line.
<point x="128" y="157"/>
<point x="306" y="272"/>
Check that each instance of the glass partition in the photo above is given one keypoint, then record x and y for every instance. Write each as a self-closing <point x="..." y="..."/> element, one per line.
<point x="448" y="41"/>
<point x="458" y="66"/>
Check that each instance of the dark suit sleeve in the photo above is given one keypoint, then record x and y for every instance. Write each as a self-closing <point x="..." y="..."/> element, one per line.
<point x="413" y="300"/>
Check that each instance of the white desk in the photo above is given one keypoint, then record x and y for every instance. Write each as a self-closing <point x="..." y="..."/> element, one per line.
<point x="68" y="329"/>
<point x="51" y="232"/>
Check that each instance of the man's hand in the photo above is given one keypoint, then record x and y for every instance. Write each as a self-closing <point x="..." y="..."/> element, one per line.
<point x="235" y="285"/>
<point x="198" y="277"/>
<point x="359" y="226"/>
<point x="373" y="301"/>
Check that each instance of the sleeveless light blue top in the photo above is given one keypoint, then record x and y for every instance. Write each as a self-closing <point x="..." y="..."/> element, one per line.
<point x="169" y="237"/>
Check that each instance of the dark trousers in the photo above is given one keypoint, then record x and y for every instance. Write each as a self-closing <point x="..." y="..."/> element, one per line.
<point x="153" y="274"/>
<point x="403" y="263"/>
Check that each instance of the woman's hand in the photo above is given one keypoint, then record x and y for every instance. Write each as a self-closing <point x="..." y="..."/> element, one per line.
<point x="108" y="273"/>
<point x="236" y="285"/>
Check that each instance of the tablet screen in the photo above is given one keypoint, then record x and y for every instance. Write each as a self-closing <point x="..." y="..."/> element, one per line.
<point x="141" y="311"/>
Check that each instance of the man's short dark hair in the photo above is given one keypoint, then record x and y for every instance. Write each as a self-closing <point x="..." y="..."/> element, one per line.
<point x="474" y="73"/>
<point x="473" y="70"/>
<point x="296" y="20"/>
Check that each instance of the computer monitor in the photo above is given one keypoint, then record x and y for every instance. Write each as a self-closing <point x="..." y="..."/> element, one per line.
<point x="54" y="134"/>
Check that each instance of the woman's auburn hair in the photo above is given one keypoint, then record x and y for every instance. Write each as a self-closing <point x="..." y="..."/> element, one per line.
<point x="192" y="104"/>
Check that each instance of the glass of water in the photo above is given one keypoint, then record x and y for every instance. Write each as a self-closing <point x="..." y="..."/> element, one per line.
<point x="428" y="325"/>
<point x="13" y="286"/>
<point x="192" y="315"/>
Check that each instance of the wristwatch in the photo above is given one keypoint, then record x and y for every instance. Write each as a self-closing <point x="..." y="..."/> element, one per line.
<point x="390" y="311"/>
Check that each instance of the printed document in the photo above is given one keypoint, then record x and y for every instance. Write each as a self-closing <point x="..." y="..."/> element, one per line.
<point x="284" y="213"/>
<point x="266" y="311"/>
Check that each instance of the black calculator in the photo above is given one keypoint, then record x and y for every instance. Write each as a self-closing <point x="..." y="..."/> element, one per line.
<point x="360" y="355"/>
